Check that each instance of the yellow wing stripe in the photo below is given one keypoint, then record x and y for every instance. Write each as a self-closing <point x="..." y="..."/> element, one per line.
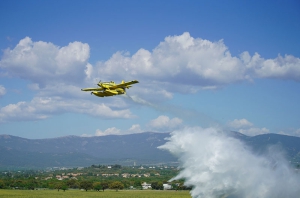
<point x="124" y="84"/>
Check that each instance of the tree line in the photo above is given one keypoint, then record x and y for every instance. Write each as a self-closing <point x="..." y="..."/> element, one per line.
<point x="63" y="185"/>
<point x="91" y="178"/>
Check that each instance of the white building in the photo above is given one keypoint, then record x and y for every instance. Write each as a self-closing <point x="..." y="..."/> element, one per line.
<point x="146" y="186"/>
<point x="167" y="186"/>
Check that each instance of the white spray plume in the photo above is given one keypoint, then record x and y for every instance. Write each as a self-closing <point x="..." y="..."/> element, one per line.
<point x="217" y="165"/>
<point x="187" y="114"/>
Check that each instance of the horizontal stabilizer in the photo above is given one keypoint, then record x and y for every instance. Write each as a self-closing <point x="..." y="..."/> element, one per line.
<point x="124" y="85"/>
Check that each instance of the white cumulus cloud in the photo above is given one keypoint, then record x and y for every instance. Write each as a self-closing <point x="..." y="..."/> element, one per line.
<point x="254" y="131"/>
<point x="297" y="133"/>
<point x="44" y="107"/>
<point x="135" y="128"/>
<point x="287" y="67"/>
<point x="180" y="63"/>
<point x="44" y="63"/>
<point x="183" y="63"/>
<point x="2" y="90"/>
<point x="181" y="59"/>
<point x="246" y="127"/>
<point x="291" y="132"/>
<point x="240" y="123"/>
<point x="164" y="123"/>
<point x="109" y="131"/>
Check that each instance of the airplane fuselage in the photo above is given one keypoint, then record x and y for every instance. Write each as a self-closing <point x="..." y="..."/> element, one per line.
<point x="105" y="89"/>
<point x="108" y="92"/>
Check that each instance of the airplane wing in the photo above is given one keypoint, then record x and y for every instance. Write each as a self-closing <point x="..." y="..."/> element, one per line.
<point x="92" y="89"/>
<point x="123" y="85"/>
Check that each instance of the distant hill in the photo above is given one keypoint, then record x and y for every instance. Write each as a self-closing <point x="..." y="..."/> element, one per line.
<point x="83" y="151"/>
<point x="74" y="151"/>
<point x="290" y="145"/>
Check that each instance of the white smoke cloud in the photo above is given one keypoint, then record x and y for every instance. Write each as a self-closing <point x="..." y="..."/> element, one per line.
<point x="216" y="165"/>
<point x="179" y="112"/>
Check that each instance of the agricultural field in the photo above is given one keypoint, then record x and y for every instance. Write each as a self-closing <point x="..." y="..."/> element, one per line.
<point x="91" y="194"/>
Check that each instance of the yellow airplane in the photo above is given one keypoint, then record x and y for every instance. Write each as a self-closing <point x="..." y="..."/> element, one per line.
<point x="110" y="88"/>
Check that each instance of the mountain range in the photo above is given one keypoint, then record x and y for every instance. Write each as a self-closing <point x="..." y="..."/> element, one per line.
<point x="141" y="148"/>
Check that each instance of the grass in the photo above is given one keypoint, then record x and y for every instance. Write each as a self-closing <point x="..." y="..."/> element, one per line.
<point x="92" y="194"/>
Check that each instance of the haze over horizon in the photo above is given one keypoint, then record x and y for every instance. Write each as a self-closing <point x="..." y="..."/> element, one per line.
<point x="199" y="63"/>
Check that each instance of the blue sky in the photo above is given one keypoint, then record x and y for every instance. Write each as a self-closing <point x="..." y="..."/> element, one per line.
<point x="232" y="64"/>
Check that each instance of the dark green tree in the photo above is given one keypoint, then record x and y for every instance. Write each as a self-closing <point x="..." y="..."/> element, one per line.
<point x="137" y="183"/>
<point x="116" y="166"/>
<point x="72" y="183"/>
<point x="31" y="184"/>
<point x="58" y="185"/>
<point x="19" y="184"/>
<point x="86" y="185"/>
<point x="64" y="187"/>
<point x="97" y="186"/>
<point x="104" y="185"/>
<point x="116" y="185"/>
<point x="2" y="184"/>
<point x="157" y="185"/>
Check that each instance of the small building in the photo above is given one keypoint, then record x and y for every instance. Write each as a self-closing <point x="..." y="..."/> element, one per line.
<point x="146" y="186"/>
<point x="126" y="175"/>
<point x="147" y="175"/>
<point x="167" y="186"/>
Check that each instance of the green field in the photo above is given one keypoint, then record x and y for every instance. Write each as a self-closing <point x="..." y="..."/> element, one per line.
<point x="91" y="194"/>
